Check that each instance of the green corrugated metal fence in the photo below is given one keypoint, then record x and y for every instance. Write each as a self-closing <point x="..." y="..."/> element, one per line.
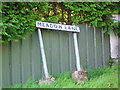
<point x="21" y="61"/>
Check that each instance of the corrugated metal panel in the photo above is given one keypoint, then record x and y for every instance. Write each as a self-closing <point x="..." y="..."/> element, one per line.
<point x="107" y="48"/>
<point x="55" y="65"/>
<point x="82" y="45"/>
<point x="36" y="57"/>
<point x="95" y="48"/>
<point x="26" y="74"/>
<point x="5" y="65"/>
<point x="15" y="54"/>
<point x="103" y="48"/>
<point x="91" y="48"/>
<point x="99" y="47"/>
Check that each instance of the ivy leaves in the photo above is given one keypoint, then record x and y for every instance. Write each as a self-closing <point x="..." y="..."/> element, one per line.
<point x="98" y="14"/>
<point x="19" y="18"/>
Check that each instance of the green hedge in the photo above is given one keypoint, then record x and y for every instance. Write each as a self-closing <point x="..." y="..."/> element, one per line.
<point x="19" y="18"/>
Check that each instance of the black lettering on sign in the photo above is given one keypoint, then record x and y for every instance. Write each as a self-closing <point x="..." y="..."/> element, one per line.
<point x="65" y="27"/>
<point x="69" y="27"/>
<point x="51" y="25"/>
<point x="55" y="26"/>
<point x="39" y="24"/>
<point x="60" y="27"/>
<point x="43" y="25"/>
<point x="47" y="25"/>
<point x="74" y="28"/>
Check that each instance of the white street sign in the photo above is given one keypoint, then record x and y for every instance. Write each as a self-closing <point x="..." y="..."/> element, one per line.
<point x="61" y="27"/>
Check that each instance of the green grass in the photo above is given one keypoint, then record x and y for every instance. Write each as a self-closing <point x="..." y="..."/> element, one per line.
<point x="99" y="78"/>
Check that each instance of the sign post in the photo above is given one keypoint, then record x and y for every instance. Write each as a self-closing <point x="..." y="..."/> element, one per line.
<point x="61" y="27"/>
<point x="77" y="52"/>
<point x="43" y="53"/>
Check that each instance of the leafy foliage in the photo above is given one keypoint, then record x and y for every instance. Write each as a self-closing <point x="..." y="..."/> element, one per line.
<point x="19" y="18"/>
<point x="98" y="14"/>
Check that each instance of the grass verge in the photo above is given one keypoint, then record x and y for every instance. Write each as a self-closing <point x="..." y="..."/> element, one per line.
<point x="98" y="78"/>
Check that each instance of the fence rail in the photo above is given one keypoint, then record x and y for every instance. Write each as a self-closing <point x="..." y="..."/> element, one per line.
<point x="21" y="61"/>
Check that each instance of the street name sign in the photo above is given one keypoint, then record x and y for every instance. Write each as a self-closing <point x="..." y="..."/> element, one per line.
<point x="61" y="27"/>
